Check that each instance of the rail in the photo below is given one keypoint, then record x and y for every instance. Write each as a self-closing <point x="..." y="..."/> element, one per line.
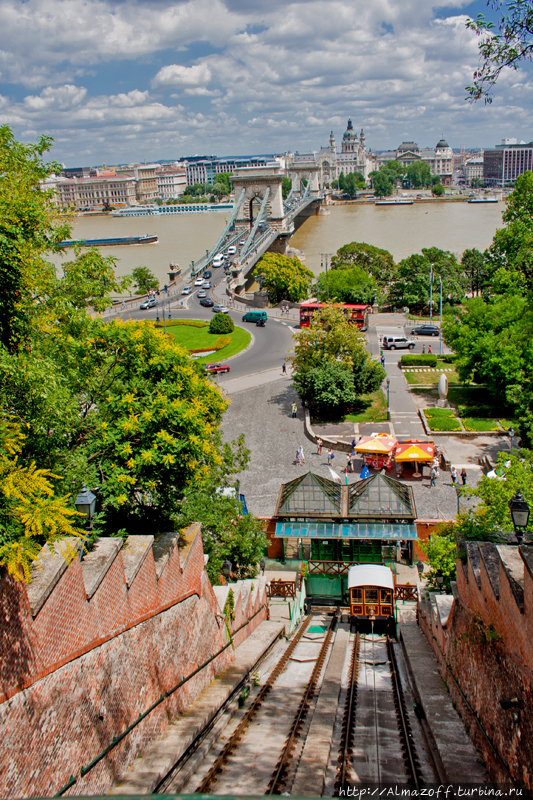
<point x="348" y="720"/>
<point x="405" y="592"/>
<point x="411" y="762"/>
<point x="279" y="588"/>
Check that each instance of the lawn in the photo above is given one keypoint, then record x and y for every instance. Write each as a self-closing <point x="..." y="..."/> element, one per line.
<point x="198" y="338"/>
<point x="442" y="419"/>
<point x="369" y="408"/>
<point x="427" y="378"/>
<point x="479" y="424"/>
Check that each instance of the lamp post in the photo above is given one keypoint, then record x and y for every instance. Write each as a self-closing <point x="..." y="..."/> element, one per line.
<point x="420" y="568"/>
<point x="226" y="569"/>
<point x="85" y="504"/>
<point x="519" y="514"/>
<point x="440" y="329"/>
<point x="431" y="295"/>
<point x="439" y="577"/>
<point x="511" y="434"/>
<point x="388" y="398"/>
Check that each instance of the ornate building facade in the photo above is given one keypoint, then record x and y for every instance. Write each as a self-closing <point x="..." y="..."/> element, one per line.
<point x="351" y="158"/>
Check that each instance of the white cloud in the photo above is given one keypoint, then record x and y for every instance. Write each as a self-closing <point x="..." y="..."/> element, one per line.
<point x="175" y="75"/>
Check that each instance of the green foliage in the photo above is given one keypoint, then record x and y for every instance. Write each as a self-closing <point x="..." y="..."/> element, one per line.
<point x="329" y="387"/>
<point x="506" y="48"/>
<point x="88" y="281"/>
<point x="221" y="323"/>
<point x="377" y="263"/>
<point x="351" y="182"/>
<point x="438" y="190"/>
<point x="31" y="515"/>
<point x="330" y="338"/>
<point x="424" y="360"/>
<point x="191" y="323"/>
<point x="144" y="280"/>
<point x="412" y="287"/>
<point x="419" y="174"/>
<point x="284" y="278"/>
<point x="441" y="550"/>
<point x="442" y="419"/>
<point x="477" y="270"/>
<point x="383" y="186"/>
<point x="351" y="285"/>
<point x="479" y="424"/>
<point x="286" y="186"/>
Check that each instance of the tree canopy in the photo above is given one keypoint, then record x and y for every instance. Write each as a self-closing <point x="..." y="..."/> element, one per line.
<point x="350" y="285"/>
<point x="144" y="280"/>
<point x="412" y="286"/>
<point x="511" y="44"/>
<point x="284" y="278"/>
<point x="377" y="263"/>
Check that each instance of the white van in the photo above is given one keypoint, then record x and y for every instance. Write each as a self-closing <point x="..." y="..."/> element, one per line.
<point x="218" y="261"/>
<point x="232" y="251"/>
<point x="397" y="342"/>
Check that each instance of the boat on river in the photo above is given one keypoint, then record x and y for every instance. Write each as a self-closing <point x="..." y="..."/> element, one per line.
<point x="396" y="202"/>
<point x="483" y="199"/>
<point x="175" y="208"/>
<point x="147" y="238"/>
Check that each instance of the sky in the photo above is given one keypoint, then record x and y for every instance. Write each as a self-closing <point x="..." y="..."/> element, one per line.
<point x="115" y="81"/>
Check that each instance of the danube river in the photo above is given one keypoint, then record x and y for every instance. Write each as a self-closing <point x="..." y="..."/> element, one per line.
<point x="402" y="230"/>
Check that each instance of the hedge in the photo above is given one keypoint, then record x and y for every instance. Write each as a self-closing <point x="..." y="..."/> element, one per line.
<point x="427" y="360"/>
<point x="448" y="358"/>
<point x="193" y="323"/>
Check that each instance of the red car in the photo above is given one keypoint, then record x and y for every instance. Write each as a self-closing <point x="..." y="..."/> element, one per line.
<point x="214" y="368"/>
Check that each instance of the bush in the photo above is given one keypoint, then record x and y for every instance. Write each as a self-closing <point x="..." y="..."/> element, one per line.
<point x="221" y="323"/>
<point x="428" y="360"/>
<point x="448" y="358"/>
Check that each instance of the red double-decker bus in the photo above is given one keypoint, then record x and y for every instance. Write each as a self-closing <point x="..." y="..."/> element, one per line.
<point x="353" y="313"/>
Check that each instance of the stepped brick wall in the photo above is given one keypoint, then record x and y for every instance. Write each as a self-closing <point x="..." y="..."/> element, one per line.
<point x="482" y="637"/>
<point x="89" y="645"/>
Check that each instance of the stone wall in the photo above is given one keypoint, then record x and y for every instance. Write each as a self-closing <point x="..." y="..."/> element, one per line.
<point x="88" y="646"/>
<point x="482" y="638"/>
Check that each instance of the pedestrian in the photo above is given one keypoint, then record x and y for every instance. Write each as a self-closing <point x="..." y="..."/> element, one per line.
<point x="330" y="456"/>
<point x="165" y="289"/>
<point x="302" y="457"/>
<point x="348" y="463"/>
<point x="298" y="461"/>
<point x="319" y="446"/>
<point x="294" y="410"/>
<point x="423" y="349"/>
<point x="429" y="349"/>
<point x="463" y="476"/>
<point x="123" y="305"/>
<point x="284" y="369"/>
<point x="353" y="444"/>
<point x="453" y="475"/>
<point x="433" y="476"/>
<point x="382" y="359"/>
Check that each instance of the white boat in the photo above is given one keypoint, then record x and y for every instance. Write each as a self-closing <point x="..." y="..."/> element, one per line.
<point x="177" y="208"/>
<point x="393" y="202"/>
<point x="482" y="199"/>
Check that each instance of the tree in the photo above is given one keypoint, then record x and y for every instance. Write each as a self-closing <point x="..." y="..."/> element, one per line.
<point x="284" y="278"/>
<point x="441" y="550"/>
<point x="419" y="174"/>
<point x="350" y="285"/>
<point x="31" y="514"/>
<point x="144" y="279"/>
<point x="438" y="190"/>
<point x="286" y="186"/>
<point x="476" y="270"/>
<point x="412" y="287"/>
<point x="378" y="263"/>
<point x="382" y="184"/>
<point x="512" y="246"/>
<point x="221" y="323"/>
<point x="352" y="182"/>
<point x="328" y="387"/>
<point x="331" y="339"/>
<point x="512" y="44"/>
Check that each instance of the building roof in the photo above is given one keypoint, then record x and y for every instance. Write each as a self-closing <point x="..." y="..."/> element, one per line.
<point x="378" y="498"/>
<point x="349" y="132"/>
<point x="442" y="143"/>
<point x="370" y="575"/>
<point x="408" y="146"/>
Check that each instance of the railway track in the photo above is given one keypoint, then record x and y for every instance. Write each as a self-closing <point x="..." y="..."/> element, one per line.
<point x="367" y="739"/>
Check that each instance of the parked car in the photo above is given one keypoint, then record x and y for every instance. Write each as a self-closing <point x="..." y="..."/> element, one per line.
<point x="220" y="309"/>
<point x="207" y="274"/>
<point x="201" y="293"/>
<point x="207" y="285"/>
<point x="397" y="343"/>
<point x="199" y="281"/>
<point x="207" y="302"/>
<point x="186" y="290"/>
<point x="425" y="330"/>
<point x="215" y="368"/>
<point x="150" y="303"/>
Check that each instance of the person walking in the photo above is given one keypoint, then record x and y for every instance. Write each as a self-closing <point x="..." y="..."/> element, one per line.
<point x="319" y="446"/>
<point x="382" y="359"/>
<point x="298" y="461"/>
<point x="294" y="410"/>
<point x="453" y="475"/>
<point x="423" y="349"/>
<point x="348" y="464"/>
<point x="284" y="369"/>
<point x="433" y="477"/>
<point x="463" y="476"/>
<point x="330" y="457"/>
<point x="429" y="349"/>
<point x="302" y="457"/>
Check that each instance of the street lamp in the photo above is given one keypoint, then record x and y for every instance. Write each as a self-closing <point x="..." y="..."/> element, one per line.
<point x="439" y="577"/>
<point x="420" y="568"/>
<point x="440" y="331"/>
<point x="226" y="569"/>
<point x="511" y="434"/>
<point x="85" y="503"/>
<point x="388" y="398"/>
<point x="519" y="514"/>
<point x="431" y="295"/>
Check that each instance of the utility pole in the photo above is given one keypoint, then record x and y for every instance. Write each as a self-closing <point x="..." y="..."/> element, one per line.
<point x="326" y="256"/>
<point x="431" y="295"/>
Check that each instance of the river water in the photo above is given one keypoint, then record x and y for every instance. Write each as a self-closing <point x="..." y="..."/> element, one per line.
<point x="402" y="230"/>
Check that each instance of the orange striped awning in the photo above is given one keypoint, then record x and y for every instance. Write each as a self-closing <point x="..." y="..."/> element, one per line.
<point x="380" y="443"/>
<point x="409" y="451"/>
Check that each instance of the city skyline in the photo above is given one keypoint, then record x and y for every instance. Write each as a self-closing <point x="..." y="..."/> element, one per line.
<point x="114" y="82"/>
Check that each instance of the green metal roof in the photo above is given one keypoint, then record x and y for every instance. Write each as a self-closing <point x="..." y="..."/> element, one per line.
<point x="380" y="496"/>
<point x="310" y="494"/>
<point x="354" y="530"/>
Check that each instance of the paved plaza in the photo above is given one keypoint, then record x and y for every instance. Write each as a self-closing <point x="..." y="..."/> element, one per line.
<point x="263" y="413"/>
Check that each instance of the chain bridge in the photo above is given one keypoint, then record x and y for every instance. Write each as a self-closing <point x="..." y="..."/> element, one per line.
<point x="261" y="218"/>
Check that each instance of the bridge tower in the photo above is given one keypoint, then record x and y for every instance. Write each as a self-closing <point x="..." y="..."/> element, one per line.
<point x="305" y="170"/>
<point x="259" y="183"/>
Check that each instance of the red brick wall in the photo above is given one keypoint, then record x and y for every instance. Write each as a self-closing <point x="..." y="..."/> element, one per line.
<point x="83" y="670"/>
<point x="484" y="651"/>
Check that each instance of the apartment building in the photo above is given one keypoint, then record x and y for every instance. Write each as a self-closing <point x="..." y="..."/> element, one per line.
<point x="97" y="192"/>
<point x="171" y="181"/>
<point x="145" y="176"/>
<point x="473" y="170"/>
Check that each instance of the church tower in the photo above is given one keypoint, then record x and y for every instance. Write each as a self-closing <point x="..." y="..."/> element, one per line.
<point x="332" y="145"/>
<point x="349" y="140"/>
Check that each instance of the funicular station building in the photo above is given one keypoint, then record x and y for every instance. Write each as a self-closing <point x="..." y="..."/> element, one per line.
<point x="325" y="528"/>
